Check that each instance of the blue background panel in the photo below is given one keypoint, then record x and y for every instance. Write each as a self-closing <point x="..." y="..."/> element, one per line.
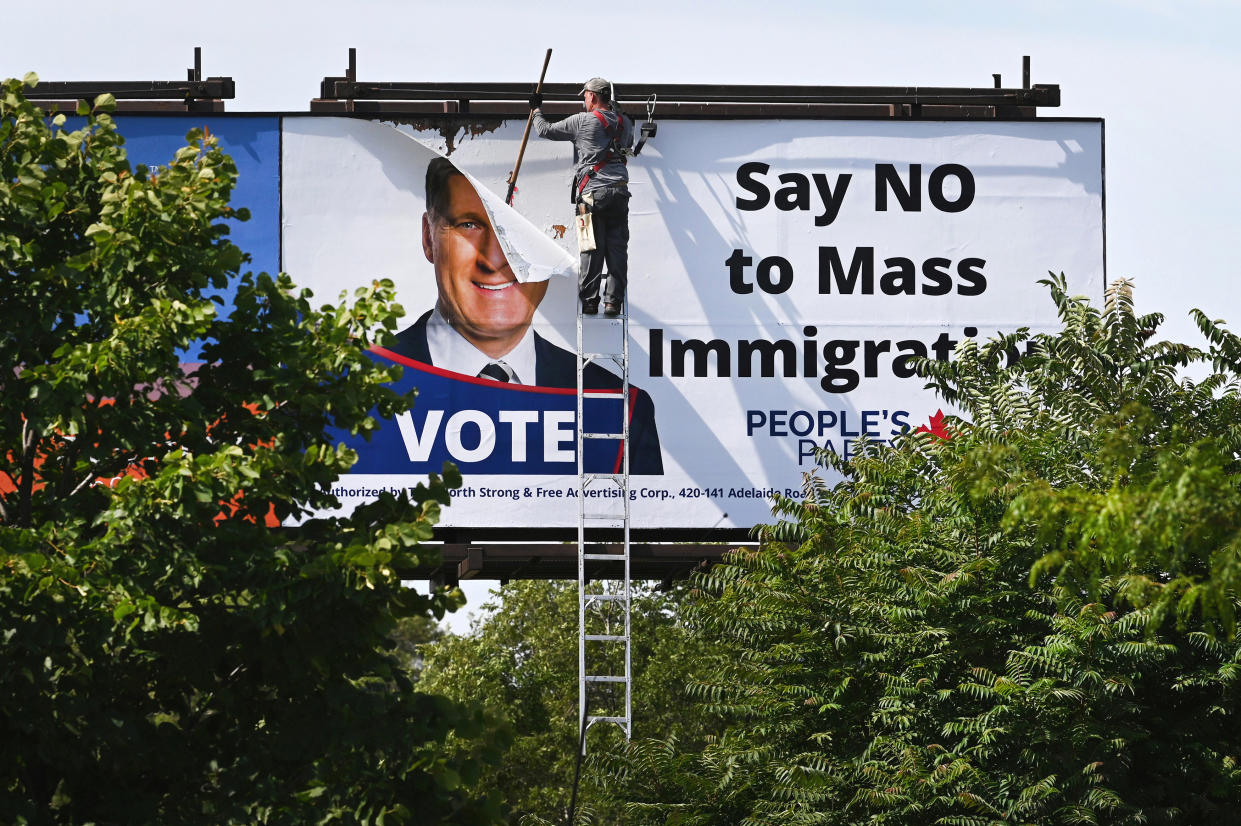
<point x="254" y="144"/>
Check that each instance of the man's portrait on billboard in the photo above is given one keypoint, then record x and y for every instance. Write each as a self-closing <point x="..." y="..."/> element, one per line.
<point x="480" y="325"/>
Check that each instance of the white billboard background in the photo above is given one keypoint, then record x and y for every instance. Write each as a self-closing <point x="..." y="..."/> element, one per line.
<point x="352" y="207"/>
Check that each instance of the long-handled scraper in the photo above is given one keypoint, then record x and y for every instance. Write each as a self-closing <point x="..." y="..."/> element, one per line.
<point x="525" y="136"/>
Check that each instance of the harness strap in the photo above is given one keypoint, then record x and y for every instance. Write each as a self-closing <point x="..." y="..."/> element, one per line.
<point x="614" y="153"/>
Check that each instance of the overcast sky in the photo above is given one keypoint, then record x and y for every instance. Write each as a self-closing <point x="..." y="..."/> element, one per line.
<point x="1164" y="76"/>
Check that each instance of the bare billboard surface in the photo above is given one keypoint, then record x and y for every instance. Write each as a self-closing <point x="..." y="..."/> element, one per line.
<point x="782" y="276"/>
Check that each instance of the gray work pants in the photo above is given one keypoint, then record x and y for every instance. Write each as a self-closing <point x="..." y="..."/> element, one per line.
<point x="609" y="213"/>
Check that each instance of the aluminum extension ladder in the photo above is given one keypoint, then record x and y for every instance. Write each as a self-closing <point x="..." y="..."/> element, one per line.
<point x="603" y="641"/>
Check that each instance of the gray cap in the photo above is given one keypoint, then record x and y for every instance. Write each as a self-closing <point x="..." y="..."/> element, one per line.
<point x="597" y="85"/>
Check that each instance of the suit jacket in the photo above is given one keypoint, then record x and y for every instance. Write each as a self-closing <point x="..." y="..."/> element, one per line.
<point x="557" y="367"/>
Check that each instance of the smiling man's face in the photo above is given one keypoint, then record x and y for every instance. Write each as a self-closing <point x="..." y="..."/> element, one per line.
<point x="478" y="294"/>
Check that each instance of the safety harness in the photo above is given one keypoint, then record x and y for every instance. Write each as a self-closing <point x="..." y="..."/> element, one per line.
<point x="614" y="151"/>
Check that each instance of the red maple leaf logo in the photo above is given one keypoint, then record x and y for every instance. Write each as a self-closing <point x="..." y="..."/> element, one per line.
<point x="937" y="428"/>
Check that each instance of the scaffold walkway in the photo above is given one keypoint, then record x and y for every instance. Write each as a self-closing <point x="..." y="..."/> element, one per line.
<point x="605" y="683"/>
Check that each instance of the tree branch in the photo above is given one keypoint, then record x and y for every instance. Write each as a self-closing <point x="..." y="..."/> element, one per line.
<point x="72" y="453"/>
<point x="25" y="489"/>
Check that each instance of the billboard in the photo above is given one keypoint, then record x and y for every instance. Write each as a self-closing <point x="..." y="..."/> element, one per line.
<point x="782" y="275"/>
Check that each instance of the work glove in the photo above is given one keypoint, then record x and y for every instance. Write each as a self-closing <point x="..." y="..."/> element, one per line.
<point x="536" y="100"/>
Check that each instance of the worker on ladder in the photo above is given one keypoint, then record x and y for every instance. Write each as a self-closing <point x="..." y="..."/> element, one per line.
<point x="602" y="137"/>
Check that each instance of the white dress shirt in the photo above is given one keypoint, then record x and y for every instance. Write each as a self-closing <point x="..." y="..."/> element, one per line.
<point x="451" y="351"/>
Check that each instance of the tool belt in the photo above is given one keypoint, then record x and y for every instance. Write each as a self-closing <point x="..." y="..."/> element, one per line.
<point x="587" y="203"/>
<point x="600" y="196"/>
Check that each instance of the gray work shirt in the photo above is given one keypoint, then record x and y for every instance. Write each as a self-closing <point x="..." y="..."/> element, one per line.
<point x="590" y="145"/>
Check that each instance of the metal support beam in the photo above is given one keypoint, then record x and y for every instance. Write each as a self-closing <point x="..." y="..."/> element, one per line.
<point x="472" y="565"/>
<point x="693" y="99"/>
<point x="662" y="562"/>
<point x="213" y="88"/>
<point x="1038" y="95"/>
<point x="442" y="577"/>
<point x="192" y="94"/>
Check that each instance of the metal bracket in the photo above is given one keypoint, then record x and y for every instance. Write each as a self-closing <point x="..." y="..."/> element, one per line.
<point x="650" y="127"/>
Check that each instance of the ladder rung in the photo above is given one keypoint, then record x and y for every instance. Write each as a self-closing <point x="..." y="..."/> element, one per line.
<point x="603" y="395"/>
<point x="592" y="356"/>
<point x="603" y="435"/>
<point x="593" y="719"/>
<point x="618" y="478"/>
<point x="610" y="557"/>
<point x="591" y="678"/>
<point x="606" y="637"/>
<point x="604" y="597"/>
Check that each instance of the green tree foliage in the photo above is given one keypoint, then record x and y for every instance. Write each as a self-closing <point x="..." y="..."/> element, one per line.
<point x="1030" y="621"/>
<point x="521" y="662"/>
<point x="168" y="656"/>
<point x="410" y="639"/>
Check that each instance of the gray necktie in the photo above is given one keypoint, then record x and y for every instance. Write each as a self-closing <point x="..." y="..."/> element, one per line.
<point x="496" y="371"/>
